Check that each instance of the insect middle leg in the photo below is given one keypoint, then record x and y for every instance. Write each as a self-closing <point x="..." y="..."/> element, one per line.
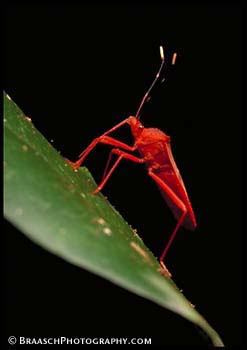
<point x="178" y="202"/>
<point x="121" y="155"/>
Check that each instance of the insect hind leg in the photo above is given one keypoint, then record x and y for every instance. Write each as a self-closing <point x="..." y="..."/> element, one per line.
<point x="180" y="221"/>
<point x="179" y="203"/>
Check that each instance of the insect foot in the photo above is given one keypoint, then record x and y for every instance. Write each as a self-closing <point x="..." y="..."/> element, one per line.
<point x="164" y="271"/>
<point x="74" y="165"/>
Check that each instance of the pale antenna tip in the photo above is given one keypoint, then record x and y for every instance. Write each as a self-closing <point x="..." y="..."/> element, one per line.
<point x="174" y="57"/>
<point x="162" y="53"/>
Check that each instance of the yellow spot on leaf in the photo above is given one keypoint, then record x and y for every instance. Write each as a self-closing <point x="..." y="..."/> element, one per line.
<point x="28" y="119"/>
<point x="139" y="250"/>
<point x="107" y="231"/>
<point x="25" y="148"/>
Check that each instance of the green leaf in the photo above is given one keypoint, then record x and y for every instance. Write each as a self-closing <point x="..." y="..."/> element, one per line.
<point x="54" y="206"/>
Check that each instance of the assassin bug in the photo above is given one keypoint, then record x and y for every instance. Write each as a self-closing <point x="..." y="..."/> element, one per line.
<point x="155" y="150"/>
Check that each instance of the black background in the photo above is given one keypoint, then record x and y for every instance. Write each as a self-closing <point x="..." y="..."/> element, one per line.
<point x="77" y="70"/>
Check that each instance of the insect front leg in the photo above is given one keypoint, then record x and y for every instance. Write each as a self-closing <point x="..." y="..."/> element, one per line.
<point x="103" y="139"/>
<point x="121" y="155"/>
<point x="178" y="202"/>
<point x="107" y="140"/>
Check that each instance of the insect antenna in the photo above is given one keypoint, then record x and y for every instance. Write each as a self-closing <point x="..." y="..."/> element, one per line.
<point x="155" y="80"/>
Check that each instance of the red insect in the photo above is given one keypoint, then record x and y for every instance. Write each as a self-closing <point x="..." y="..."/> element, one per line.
<point x="155" y="150"/>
